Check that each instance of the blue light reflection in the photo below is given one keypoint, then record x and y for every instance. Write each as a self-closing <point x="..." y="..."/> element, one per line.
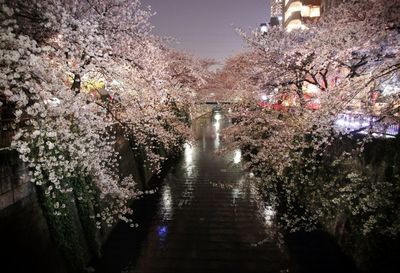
<point x="162" y="232"/>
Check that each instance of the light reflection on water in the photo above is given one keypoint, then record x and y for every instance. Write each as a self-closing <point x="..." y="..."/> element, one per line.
<point x="269" y="214"/>
<point x="162" y="232"/>
<point x="189" y="151"/>
<point x="217" y="126"/>
<point x="235" y="194"/>
<point x="217" y="116"/>
<point x="216" y="141"/>
<point x="166" y="203"/>
<point x="237" y="158"/>
<point x="166" y="211"/>
<point x="188" y="154"/>
<point x="239" y="190"/>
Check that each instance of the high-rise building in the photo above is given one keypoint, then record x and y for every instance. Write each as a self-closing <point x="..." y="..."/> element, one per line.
<point x="298" y="12"/>
<point x="326" y="5"/>
<point x="276" y="12"/>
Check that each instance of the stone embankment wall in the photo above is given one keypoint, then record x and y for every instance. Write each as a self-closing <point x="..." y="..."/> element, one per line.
<point x="380" y="162"/>
<point x="24" y="234"/>
<point x="32" y="240"/>
<point x="14" y="181"/>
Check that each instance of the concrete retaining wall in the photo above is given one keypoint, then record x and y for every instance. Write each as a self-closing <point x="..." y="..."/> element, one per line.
<point x="26" y="244"/>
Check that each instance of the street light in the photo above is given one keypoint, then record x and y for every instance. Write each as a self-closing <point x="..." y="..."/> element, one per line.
<point x="263" y="28"/>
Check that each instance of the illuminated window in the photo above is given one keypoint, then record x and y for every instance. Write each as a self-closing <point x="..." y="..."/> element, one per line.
<point x="294" y="7"/>
<point x="310" y="11"/>
<point x="315" y="11"/>
<point x="305" y="11"/>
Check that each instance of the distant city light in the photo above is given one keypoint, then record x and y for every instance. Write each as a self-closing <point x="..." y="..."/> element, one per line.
<point x="348" y="123"/>
<point x="263" y="28"/>
<point x="264" y="97"/>
<point x="53" y="101"/>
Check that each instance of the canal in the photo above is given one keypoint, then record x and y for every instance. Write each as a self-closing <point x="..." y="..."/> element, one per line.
<point x="205" y="218"/>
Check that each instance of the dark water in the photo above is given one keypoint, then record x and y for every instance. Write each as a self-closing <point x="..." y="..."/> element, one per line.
<point x="205" y="219"/>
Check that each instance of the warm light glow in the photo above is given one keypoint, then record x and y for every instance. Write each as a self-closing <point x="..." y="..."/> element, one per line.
<point x="312" y="88"/>
<point x="315" y="11"/>
<point x="188" y="153"/>
<point x="310" y="11"/>
<point x="294" y="7"/>
<point x="305" y="11"/>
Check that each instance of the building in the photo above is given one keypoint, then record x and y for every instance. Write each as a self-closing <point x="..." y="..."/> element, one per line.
<point x="326" y="5"/>
<point x="276" y="12"/>
<point x="298" y="12"/>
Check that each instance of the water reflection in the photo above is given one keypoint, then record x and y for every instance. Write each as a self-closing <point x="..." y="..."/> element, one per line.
<point x="193" y="219"/>
<point x="217" y="116"/>
<point x="166" y="203"/>
<point x="217" y="126"/>
<point x="204" y="143"/>
<point x="269" y="214"/>
<point x="189" y="159"/>
<point x="239" y="190"/>
<point x="237" y="156"/>
<point x="162" y="232"/>
<point x="188" y="153"/>
<point x="216" y="141"/>
<point x="217" y="122"/>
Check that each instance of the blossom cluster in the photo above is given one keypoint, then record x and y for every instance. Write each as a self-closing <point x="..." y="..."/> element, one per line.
<point x="49" y="51"/>
<point x="293" y="86"/>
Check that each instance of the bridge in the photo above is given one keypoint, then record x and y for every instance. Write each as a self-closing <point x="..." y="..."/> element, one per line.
<point x="215" y="102"/>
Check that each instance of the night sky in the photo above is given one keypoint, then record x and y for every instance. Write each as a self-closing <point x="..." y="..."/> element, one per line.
<point x="206" y="27"/>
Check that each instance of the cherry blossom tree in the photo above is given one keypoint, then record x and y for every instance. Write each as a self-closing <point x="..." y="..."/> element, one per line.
<point x="343" y="59"/>
<point x="244" y="66"/>
<point x="72" y="74"/>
